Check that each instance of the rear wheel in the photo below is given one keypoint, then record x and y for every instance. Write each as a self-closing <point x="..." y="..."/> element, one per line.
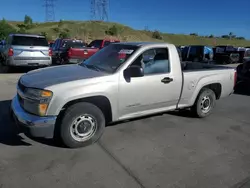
<point x="82" y="125"/>
<point x="204" y="103"/>
<point x="4" y="68"/>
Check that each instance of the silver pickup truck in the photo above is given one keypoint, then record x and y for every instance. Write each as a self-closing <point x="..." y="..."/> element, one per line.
<point x="121" y="81"/>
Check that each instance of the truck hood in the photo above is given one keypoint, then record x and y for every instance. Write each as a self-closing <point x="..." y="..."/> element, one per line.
<point x="42" y="78"/>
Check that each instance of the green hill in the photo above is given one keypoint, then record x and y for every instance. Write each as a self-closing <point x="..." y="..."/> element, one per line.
<point x="89" y="30"/>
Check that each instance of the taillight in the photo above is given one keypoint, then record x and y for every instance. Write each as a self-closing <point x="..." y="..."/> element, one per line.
<point x="10" y="52"/>
<point x="70" y="53"/>
<point x="50" y="52"/>
<point x="235" y="77"/>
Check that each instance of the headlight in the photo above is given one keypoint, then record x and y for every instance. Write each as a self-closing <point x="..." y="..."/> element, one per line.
<point x="37" y="93"/>
<point x="38" y="100"/>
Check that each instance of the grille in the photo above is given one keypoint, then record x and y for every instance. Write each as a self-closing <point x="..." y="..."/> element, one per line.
<point x="20" y="99"/>
<point x="21" y="86"/>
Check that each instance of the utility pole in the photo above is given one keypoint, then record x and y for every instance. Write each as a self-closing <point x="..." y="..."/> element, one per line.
<point x="49" y="10"/>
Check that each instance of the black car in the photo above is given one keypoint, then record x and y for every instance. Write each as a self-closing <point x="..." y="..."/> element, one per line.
<point x="243" y="78"/>
<point x="243" y="72"/>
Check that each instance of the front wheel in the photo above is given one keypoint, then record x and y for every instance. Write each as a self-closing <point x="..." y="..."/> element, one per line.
<point x="204" y="103"/>
<point x="82" y="125"/>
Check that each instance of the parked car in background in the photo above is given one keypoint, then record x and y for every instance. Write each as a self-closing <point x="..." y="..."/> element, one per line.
<point x="51" y="43"/>
<point x="64" y="51"/>
<point x="244" y="54"/>
<point x="121" y="81"/>
<point x="26" y="50"/>
<point x="226" y="54"/>
<point x="77" y="51"/>
<point x="243" y="72"/>
<point x="2" y="43"/>
<point x="243" y="78"/>
<point x="95" y="46"/>
<point x="197" y="53"/>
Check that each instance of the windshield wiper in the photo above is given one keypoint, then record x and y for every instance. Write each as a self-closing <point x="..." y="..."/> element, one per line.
<point x="92" y="67"/>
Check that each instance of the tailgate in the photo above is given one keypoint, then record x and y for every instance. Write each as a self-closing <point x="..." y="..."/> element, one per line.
<point x="82" y="52"/>
<point x="30" y="51"/>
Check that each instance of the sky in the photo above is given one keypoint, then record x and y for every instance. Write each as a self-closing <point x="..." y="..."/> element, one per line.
<point x="217" y="17"/>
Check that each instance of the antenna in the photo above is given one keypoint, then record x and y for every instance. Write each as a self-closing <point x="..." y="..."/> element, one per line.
<point x="99" y="9"/>
<point x="49" y="10"/>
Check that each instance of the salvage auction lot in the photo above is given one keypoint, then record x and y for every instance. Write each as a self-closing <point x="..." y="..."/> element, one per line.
<point x="168" y="150"/>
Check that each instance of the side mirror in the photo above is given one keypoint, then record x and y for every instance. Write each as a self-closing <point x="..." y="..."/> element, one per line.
<point x="133" y="71"/>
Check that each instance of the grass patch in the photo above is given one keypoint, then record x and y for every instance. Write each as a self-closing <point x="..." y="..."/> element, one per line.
<point x="89" y="30"/>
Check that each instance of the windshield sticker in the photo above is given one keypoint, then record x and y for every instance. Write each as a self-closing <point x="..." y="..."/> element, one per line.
<point x="126" y="51"/>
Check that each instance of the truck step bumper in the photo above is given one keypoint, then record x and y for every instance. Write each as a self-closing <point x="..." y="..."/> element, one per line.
<point x="34" y="125"/>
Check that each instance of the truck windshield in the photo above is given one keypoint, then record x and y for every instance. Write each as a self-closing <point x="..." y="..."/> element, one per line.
<point x="110" y="58"/>
<point x="95" y="44"/>
<point x="73" y="44"/>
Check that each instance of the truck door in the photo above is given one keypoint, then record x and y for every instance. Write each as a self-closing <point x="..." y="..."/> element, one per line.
<point x="157" y="90"/>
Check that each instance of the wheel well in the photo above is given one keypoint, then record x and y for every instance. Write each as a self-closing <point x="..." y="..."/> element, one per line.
<point x="216" y="88"/>
<point x="101" y="102"/>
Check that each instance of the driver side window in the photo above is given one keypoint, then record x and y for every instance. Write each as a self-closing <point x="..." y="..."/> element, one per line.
<point x="154" y="61"/>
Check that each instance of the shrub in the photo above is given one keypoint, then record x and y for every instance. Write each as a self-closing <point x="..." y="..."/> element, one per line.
<point x="156" y="35"/>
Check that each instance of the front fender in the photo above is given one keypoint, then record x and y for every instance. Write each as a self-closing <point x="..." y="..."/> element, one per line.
<point x="61" y="98"/>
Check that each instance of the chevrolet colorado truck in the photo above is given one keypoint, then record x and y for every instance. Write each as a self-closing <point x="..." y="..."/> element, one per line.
<point x="119" y="82"/>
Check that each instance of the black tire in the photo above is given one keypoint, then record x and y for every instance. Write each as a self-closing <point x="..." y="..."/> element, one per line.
<point x="4" y="68"/>
<point x="205" y="94"/>
<point x="76" y="112"/>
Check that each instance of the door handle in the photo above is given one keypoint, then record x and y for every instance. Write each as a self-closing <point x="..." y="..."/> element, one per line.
<point x="167" y="80"/>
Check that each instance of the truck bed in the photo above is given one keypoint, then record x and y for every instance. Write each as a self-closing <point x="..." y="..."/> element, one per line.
<point x="188" y="66"/>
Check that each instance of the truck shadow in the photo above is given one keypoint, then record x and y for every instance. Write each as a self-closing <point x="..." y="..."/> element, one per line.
<point x="10" y="134"/>
<point x="8" y="131"/>
<point x="181" y="113"/>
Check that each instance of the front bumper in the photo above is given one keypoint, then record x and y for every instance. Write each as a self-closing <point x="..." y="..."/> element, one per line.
<point x="34" y="125"/>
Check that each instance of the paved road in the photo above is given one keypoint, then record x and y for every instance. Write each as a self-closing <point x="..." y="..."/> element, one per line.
<point x="168" y="150"/>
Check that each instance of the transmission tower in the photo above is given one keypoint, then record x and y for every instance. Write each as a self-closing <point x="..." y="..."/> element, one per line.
<point x="49" y="10"/>
<point x="104" y="11"/>
<point x="93" y="9"/>
<point x="99" y="10"/>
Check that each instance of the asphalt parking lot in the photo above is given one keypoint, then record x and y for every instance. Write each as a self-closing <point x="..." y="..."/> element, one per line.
<point x="170" y="150"/>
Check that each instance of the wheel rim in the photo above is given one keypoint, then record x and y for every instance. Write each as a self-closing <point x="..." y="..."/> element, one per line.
<point x="83" y="128"/>
<point x="206" y="104"/>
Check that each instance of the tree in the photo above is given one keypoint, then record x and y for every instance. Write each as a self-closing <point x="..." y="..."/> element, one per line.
<point x="156" y="35"/>
<point x="240" y="38"/>
<point x="193" y="34"/>
<point x="28" y="20"/>
<point x="64" y="34"/>
<point x="5" y="29"/>
<point x="113" y="31"/>
<point x="225" y="37"/>
<point x="60" y="23"/>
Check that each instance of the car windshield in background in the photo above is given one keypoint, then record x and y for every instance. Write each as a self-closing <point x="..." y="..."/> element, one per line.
<point x="95" y="44"/>
<point x="29" y="41"/>
<point x="73" y="44"/>
<point x="110" y="58"/>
